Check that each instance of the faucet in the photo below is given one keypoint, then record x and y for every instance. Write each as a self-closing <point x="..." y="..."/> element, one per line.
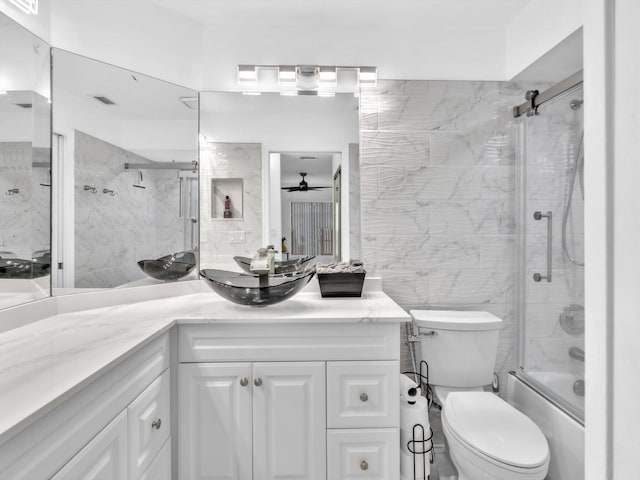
<point x="577" y="353"/>
<point x="263" y="263"/>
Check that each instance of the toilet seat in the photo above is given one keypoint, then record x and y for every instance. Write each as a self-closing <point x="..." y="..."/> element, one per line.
<point x="490" y="428"/>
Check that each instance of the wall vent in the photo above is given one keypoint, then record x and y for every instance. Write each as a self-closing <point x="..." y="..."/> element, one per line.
<point x="105" y="100"/>
<point x="24" y="105"/>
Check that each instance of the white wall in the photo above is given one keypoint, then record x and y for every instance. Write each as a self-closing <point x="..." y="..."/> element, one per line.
<point x="131" y="34"/>
<point x="539" y="26"/>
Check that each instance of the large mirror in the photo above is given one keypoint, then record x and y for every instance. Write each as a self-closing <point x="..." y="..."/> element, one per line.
<point x="25" y="165"/>
<point x="126" y="146"/>
<point x="280" y="170"/>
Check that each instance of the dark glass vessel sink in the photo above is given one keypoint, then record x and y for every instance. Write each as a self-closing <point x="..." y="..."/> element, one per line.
<point x="39" y="266"/>
<point x="256" y="290"/>
<point x="170" y="267"/>
<point x="285" y="266"/>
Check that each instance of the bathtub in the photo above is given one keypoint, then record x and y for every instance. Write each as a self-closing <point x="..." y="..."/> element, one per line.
<point x="564" y="433"/>
<point x="562" y="384"/>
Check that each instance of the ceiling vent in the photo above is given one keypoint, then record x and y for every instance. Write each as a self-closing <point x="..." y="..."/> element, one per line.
<point x="105" y="100"/>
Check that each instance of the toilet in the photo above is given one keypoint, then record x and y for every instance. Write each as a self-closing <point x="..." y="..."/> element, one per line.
<point x="488" y="438"/>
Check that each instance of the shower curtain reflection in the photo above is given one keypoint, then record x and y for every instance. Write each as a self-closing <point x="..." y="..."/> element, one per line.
<point x="550" y="165"/>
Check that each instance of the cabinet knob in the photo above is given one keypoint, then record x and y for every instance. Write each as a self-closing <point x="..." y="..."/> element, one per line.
<point x="364" y="397"/>
<point x="244" y="382"/>
<point x="364" y="465"/>
<point x="257" y="382"/>
<point x="156" y="424"/>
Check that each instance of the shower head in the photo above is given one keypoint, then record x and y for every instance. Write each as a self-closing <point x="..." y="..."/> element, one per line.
<point x="139" y="184"/>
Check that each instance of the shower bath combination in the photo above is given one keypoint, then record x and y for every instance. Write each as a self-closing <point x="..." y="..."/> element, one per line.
<point x="551" y="314"/>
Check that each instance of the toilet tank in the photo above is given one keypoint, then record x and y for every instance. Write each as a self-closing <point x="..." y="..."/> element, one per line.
<point x="459" y="346"/>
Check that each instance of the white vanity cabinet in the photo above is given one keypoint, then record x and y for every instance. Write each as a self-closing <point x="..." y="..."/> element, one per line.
<point x="105" y="430"/>
<point x="261" y="401"/>
<point x="258" y="421"/>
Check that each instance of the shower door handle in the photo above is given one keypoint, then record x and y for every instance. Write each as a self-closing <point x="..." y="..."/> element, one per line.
<point x="537" y="277"/>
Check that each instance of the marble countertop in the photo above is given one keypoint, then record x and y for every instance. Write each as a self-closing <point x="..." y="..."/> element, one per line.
<point x="45" y="362"/>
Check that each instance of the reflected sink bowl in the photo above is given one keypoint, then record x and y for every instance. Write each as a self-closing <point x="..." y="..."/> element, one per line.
<point x="255" y="290"/>
<point x="170" y="267"/>
<point x="285" y="266"/>
<point x="21" y="268"/>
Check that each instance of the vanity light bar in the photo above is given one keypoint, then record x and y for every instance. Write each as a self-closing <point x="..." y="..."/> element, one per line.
<point x="247" y="75"/>
<point x="368" y="76"/>
<point x="300" y="75"/>
<point x="30" y="7"/>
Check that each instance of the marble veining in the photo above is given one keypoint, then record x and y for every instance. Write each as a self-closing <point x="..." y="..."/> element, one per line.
<point x="438" y="196"/>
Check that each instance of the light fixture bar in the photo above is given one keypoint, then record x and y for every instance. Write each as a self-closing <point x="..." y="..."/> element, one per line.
<point x="247" y="75"/>
<point x="287" y="75"/>
<point x="368" y="76"/>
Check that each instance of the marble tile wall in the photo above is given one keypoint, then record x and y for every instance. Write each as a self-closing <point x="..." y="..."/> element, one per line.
<point x="24" y="217"/>
<point x="438" y="197"/>
<point x="551" y="145"/>
<point x="230" y="160"/>
<point x="114" y="232"/>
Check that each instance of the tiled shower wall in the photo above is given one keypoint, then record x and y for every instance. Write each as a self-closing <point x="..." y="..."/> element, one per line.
<point x="438" y="195"/>
<point x="114" y="232"/>
<point x="24" y="219"/>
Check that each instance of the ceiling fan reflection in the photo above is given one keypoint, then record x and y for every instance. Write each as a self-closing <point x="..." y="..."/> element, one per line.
<point x="303" y="186"/>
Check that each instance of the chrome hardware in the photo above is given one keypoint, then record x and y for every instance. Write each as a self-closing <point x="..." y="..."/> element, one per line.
<point x="577" y="353"/>
<point x="89" y="188"/>
<point x="431" y="333"/>
<point x="364" y="465"/>
<point x="244" y="382"/>
<point x="12" y="191"/>
<point x="364" y="397"/>
<point x="257" y="382"/>
<point x="156" y="424"/>
<point x="578" y="388"/>
<point x="537" y="277"/>
<point x="572" y="319"/>
<point x="109" y="192"/>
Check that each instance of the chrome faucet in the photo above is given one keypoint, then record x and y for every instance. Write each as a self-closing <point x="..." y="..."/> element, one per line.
<point x="577" y="353"/>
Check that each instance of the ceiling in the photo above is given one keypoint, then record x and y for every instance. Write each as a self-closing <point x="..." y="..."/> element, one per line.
<point x="346" y="13"/>
<point x="318" y="169"/>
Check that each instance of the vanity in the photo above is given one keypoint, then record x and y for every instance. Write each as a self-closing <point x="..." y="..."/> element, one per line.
<point x="194" y="387"/>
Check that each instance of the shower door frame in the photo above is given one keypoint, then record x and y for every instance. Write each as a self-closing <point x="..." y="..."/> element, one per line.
<point x="524" y="110"/>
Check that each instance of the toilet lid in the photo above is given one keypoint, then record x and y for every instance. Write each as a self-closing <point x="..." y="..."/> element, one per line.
<point x="488" y="424"/>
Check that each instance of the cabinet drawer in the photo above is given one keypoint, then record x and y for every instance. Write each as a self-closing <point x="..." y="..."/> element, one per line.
<point x="363" y="394"/>
<point x="149" y="425"/>
<point x="160" y="468"/>
<point x="371" y="454"/>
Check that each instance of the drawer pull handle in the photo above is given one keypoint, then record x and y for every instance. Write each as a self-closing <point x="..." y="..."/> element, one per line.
<point x="257" y="382"/>
<point x="364" y="397"/>
<point x="244" y="382"/>
<point x="364" y="465"/>
<point x="156" y="424"/>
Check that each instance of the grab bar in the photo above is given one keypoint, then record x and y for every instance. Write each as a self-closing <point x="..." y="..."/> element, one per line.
<point x="577" y="353"/>
<point x="549" y="216"/>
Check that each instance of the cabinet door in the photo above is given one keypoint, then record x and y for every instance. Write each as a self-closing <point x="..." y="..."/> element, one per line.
<point x="289" y="421"/>
<point x="103" y="458"/>
<point x="214" y="421"/>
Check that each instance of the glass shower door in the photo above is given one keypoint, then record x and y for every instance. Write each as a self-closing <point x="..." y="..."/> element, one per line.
<point x="551" y="250"/>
